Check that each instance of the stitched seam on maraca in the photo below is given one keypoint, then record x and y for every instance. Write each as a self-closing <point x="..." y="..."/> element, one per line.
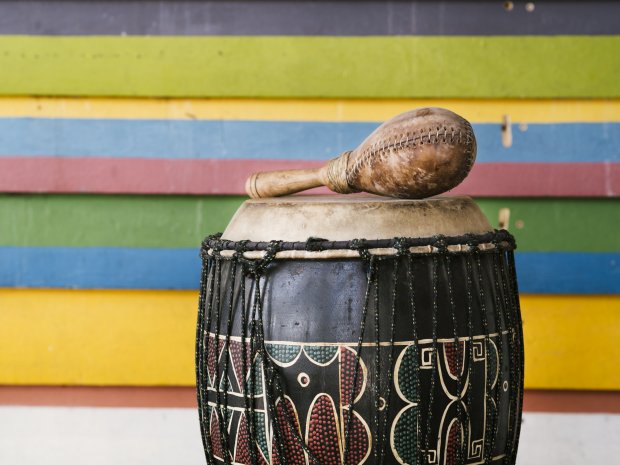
<point x="380" y="149"/>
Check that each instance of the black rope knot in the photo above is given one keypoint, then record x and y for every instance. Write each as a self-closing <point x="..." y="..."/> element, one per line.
<point x="439" y="242"/>
<point x="216" y="250"/>
<point x="472" y="243"/>
<point x="360" y="246"/>
<point x="240" y="249"/>
<point x="502" y="236"/>
<point x="315" y="244"/>
<point x="258" y="267"/>
<point x="401" y="245"/>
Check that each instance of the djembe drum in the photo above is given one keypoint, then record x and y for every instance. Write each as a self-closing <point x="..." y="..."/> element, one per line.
<point x="359" y="330"/>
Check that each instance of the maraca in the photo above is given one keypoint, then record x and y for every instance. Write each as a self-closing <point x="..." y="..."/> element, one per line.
<point x="414" y="155"/>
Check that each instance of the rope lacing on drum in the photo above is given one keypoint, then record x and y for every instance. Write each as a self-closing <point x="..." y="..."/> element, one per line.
<point x="501" y="238"/>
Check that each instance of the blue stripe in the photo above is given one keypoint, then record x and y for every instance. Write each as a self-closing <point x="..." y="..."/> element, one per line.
<point x="568" y="272"/>
<point x="132" y="268"/>
<point x="174" y="139"/>
<point x="99" y="268"/>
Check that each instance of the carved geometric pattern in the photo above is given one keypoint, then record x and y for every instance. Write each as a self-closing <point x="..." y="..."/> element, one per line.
<point x="427" y="357"/>
<point x="478" y="351"/>
<point x="476" y="449"/>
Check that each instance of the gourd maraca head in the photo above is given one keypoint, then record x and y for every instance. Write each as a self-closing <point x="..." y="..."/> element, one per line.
<point x="417" y="154"/>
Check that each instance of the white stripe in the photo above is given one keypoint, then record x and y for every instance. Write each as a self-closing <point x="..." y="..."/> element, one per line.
<point x="162" y="436"/>
<point x="99" y="436"/>
<point x="569" y="439"/>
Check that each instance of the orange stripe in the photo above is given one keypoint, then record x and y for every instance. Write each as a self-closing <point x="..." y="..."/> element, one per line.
<point x="535" y="400"/>
<point x="538" y="400"/>
<point x="94" y="396"/>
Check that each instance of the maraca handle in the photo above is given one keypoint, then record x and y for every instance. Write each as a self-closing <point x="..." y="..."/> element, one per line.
<point x="278" y="183"/>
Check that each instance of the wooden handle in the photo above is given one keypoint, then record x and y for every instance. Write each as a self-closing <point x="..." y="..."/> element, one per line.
<point x="278" y="183"/>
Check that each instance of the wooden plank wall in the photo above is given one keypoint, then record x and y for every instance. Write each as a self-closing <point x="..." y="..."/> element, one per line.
<point x="127" y="129"/>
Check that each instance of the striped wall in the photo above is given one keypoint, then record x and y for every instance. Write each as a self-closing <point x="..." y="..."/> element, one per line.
<point x="127" y="129"/>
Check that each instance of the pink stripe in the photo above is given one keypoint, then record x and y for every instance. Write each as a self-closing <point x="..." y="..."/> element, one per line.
<point x="542" y="180"/>
<point x="151" y="176"/>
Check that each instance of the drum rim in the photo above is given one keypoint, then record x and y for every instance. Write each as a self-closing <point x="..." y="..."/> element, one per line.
<point x="318" y="248"/>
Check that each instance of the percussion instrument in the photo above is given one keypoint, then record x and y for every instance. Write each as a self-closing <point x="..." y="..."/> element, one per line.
<point x="417" y="154"/>
<point x="358" y="330"/>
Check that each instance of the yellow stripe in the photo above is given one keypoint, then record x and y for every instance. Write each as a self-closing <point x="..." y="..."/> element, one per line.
<point x="147" y="338"/>
<point x="571" y="342"/>
<point x="479" y="111"/>
<point x="97" y="337"/>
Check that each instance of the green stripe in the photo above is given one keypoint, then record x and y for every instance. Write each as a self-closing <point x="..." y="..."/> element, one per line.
<point x="587" y="225"/>
<point x="570" y="225"/>
<point x="115" y="221"/>
<point x="254" y="66"/>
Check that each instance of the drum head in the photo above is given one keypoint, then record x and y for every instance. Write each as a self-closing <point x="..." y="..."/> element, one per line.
<point x="339" y="218"/>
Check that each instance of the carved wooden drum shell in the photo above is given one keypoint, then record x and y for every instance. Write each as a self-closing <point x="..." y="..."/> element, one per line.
<point x="359" y="331"/>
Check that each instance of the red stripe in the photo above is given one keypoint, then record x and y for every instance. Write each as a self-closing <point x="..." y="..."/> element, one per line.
<point x="534" y="400"/>
<point x="154" y="176"/>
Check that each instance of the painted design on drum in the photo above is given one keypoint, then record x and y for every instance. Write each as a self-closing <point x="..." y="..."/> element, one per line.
<point x="321" y="355"/>
<point x="216" y="435"/>
<point x="454" y="441"/>
<point x="404" y="434"/>
<point x="359" y="446"/>
<point x="317" y="413"/>
<point x="236" y="360"/>
<point x="310" y="414"/>
<point x="292" y="448"/>
<point x="322" y="432"/>
<point x="283" y="354"/>
<point x="244" y="450"/>
<point x="255" y="380"/>
<point x="462" y="429"/>
<point x="214" y="358"/>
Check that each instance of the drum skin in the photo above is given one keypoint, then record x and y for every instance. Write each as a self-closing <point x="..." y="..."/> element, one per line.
<point x="408" y="358"/>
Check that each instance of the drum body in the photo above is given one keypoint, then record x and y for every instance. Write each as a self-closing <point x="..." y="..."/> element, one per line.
<point x="404" y="347"/>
